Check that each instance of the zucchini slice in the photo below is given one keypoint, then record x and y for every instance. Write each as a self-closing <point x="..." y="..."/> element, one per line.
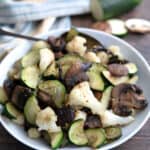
<point x="39" y="45"/>
<point x="117" y="27"/>
<point x="96" y="137"/>
<point x="30" y="76"/>
<point x="12" y="113"/>
<point x="106" y="97"/>
<point x="76" y="133"/>
<point x="132" y="68"/>
<point x="71" y="34"/>
<point x="97" y="67"/>
<point x="31" y="58"/>
<point x="56" y="90"/>
<point x="56" y="139"/>
<point x="3" y="96"/>
<point x="113" y="133"/>
<point x="52" y="70"/>
<point x="115" y="80"/>
<point x="96" y="81"/>
<point x="31" y="109"/>
<point x="69" y="59"/>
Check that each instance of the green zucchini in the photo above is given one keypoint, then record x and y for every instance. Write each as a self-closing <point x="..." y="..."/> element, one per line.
<point x="106" y="97"/>
<point x="96" y="81"/>
<point x="104" y="9"/>
<point x="71" y="34"/>
<point x="31" y="58"/>
<point x="52" y="70"/>
<point x="56" y="139"/>
<point x="113" y="133"/>
<point x="30" y="76"/>
<point x="117" y="27"/>
<point x="33" y="133"/>
<point x="96" y="137"/>
<point x="97" y="67"/>
<point x="76" y="133"/>
<point x="56" y="90"/>
<point x="69" y="59"/>
<point x="12" y="113"/>
<point x="3" y="96"/>
<point x="31" y="109"/>
<point x="39" y="45"/>
<point x="114" y="80"/>
<point x="132" y="68"/>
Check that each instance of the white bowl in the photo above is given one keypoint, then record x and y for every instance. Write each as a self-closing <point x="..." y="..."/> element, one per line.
<point x="128" y="51"/>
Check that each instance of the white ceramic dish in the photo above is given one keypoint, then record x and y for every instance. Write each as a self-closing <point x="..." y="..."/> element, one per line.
<point x="129" y="52"/>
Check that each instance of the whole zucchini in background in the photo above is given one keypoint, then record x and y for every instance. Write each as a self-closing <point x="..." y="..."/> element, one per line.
<point x="105" y="9"/>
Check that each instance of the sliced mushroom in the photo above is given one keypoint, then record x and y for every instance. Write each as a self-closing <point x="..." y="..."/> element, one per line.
<point x="9" y="85"/>
<point x="65" y="115"/>
<point x="45" y="99"/>
<point x="102" y="26"/>
<point x="76" y="74"/>
<point x="93" y="121"/>
<point x="98" y="94"/>
<point x="20" y="95"/>
<point x="114" y="59"/>
<point x="57" y="44"/>
<point x="126" y="97"/>
<point x="118" y="69"/>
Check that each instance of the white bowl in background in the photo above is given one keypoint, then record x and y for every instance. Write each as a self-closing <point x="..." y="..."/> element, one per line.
<point x="128" y="51"/>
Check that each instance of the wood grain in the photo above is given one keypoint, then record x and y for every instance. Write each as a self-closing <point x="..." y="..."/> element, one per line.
<point x="140" y="141"/>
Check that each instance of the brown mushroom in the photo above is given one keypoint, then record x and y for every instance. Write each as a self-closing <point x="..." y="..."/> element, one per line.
<point x="93" y="121"/>
<point x="20" y="95"/>
<point x="45" y="99"/>
<point x="76" y="74"/>
<point x="118" y="70"/>
<point x="9" y="86"/>
<point x="65" y="115"/>
<point x="126" y="97"/>
<point x="57" y="44"/>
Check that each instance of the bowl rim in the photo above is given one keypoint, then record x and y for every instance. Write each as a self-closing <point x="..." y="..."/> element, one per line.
<point x="112" y="145"/>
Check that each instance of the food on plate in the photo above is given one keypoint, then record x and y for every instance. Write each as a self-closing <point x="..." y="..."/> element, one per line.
<point x="72" y="89"/>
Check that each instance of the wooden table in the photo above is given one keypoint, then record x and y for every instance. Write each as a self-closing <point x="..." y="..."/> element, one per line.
<point x="141" y="141"/>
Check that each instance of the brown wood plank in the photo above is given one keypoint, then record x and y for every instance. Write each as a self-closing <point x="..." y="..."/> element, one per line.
<point x="140" y="141"/>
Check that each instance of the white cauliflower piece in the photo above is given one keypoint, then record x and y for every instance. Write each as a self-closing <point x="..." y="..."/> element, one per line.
<point x="46" y="120"/>
<point x="81" y="95"/>
<point x="46" y="58"/>
<point x="77" y="45"/>
<point x="115" y="50"/>
<point x="111" y="119"/>
<point x="91" y="57"/>
<point x="80" y="115"/>
<point x="103" y="57"/>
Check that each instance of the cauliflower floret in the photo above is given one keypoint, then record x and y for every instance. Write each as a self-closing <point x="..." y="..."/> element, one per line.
<point x="81" y="95"/>
<point x="116" y="51"/>
<point x="80" y="115"/>
<point x="46" y="120"/>
<point x="103" y="57"/>
<point x="91" y="56"/>
<point x="77" y="45"/>
<point x="111" y="119"/>
<point x="46" y="58"/>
